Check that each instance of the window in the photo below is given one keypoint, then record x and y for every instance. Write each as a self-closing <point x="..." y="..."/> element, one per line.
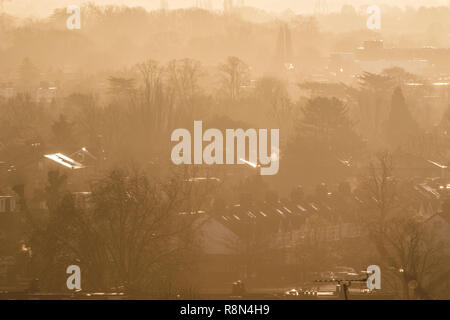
<point x="7" y="204"/>
<point x="12" y="205"/>
<point x="333" y="233"/>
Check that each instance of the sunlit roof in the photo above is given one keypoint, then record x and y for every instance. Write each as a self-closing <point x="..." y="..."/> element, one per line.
<point x="64" y="161"/>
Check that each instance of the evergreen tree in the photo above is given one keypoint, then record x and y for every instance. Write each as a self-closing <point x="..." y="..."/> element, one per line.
<point x="64" y="137"/>
<point x="400" y="126"/>
<point x="323" y="142"/>
<point x="29" y="74"/>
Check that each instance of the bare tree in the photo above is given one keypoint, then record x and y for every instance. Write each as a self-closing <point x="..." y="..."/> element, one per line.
<point x="409" y="254"/>
<point x="128" y="234"/>
<point x="183" y="77"/>
<point x="235" y="75"/>
<point x="273" y="92"/>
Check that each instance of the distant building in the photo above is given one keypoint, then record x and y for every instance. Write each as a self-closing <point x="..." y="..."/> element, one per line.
<point x="374" y="57"/>
<point x="204" y="4"/>
<point x="439" y="223"/>
<point x="7" y="204"/>
<point x="14" y="254"/>
<point x="164" y="5"/>
<point x="7" y="92"/>
<point x="46" y="94"/>
<point x="227" y="5"/>
<point x="284" y="47"/>
<point x="82" y="200"/>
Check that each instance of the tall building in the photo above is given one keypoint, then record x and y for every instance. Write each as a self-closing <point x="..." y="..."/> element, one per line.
<point x="320" y="7"/>
<point x="227" y="5"/>
<point x="165" y="5"/>
<point x="203" y="4"/>
<point x="284" y="46"/>
<point x="1" y="5"/>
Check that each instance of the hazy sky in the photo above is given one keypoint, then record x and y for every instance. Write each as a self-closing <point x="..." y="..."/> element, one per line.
<point x="45" y="7"/>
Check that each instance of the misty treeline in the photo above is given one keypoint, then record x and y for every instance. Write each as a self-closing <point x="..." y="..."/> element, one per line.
<point x="131" y="237"/>
<point x="113" y="36"/>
